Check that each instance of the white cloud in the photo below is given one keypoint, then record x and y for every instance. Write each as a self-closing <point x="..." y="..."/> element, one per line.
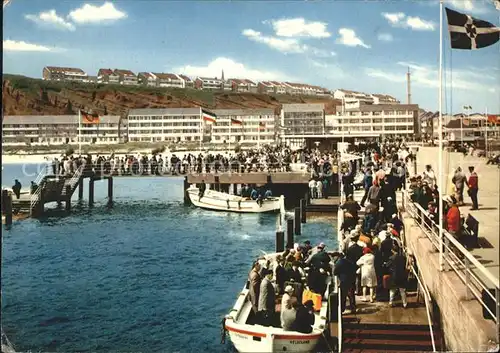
<point x="299" y="27"/>
<point x="428" y="76"/>
<point x="288" y="45"/>
<point x="231" y="69"/>
<point x="14" y="45"/>
<point x="52" y="19"/>
<point x="348" y="37"/>
<point x="319" y="64"/>
<point x="385" y="37"/>
<point x="470" y="6"/>
<point x="95" y="14"/>
<point x="393" y="17"/>
<point x="399" y="19"/>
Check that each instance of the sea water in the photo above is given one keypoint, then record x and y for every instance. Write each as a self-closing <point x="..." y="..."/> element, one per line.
<point x="148" y="274"/>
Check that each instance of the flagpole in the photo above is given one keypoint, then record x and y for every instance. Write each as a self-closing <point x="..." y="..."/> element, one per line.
<point x="461" y="125"/>
<point x="201" y="128"/>
<point x="79" y="132"/>
<point x="258" y="133"/>
<point x="486" y="133"/>
<point x="230" y="123"/>
<point x="440" y="127"/>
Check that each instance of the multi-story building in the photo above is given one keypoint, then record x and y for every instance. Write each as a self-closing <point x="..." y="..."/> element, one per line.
<point x="352" y="99"/>
<point x="243" y="85"/>
<point x="46" y="130"/>
<point x="207" y="83"/>
<point x="127" y="77"/>
<point x="169" y="124"/>
<point x="168" y="80"/>
<point x="54" y="73"/>
<point x="108" y="76"/>
<point x="266" y="87"/>
<point x="258" y="126"/>
<point x="187" y="82"/>
<point x="384" y="99"/>
<point x="300" y="121"/>
<point x="146" y="79"/>
<point x="375" y="120"/>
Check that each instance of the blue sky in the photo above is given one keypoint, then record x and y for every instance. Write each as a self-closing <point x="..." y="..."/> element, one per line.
<point x="359" y="45"/>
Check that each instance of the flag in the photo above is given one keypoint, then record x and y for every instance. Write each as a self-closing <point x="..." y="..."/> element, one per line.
<point x="467" y="107"/>
<point x="209" y="117"/>
<point x="235" y="121"/>
<point x="469" y="33"/>
<point x="262" y="126"/>
<point x="89" y="118"/>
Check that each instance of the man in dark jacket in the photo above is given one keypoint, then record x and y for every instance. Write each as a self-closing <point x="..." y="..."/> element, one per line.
<point x="202" y="189"/>
<point x="346" y="269"/>
<point x="399" y="276"/>
<point x="367" y="183"/>
<point x="17" y="188"/>
<point x="304" y="319"/>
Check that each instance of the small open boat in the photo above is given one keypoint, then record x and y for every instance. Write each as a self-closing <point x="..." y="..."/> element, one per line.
<point x="248" y="337"/>
<point x="219" y="201"/>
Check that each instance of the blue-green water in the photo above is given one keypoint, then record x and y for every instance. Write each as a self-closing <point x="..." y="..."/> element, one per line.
<point x="147" y="275"/>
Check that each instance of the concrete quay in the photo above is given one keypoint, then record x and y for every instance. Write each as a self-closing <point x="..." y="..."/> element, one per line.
<point x="464" y="327"/>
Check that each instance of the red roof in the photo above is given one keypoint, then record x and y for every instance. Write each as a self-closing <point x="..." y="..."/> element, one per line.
<point x="124" y="72"/>
<point x="65" y="69"/>
<point x="105" y="72"/>
<point x="166" y="76"/>
<point x="146" y="74"/>
<point x="185" y="78"/>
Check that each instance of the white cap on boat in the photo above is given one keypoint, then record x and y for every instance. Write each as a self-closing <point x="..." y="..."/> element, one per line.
<point x="288" y="289"/>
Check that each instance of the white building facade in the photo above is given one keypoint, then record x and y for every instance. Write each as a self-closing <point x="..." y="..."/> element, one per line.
<point x="48" y="130"/>
<point x="301" y="121"/>
<point x="169" y="124"/>
<point x="258" y="127"/>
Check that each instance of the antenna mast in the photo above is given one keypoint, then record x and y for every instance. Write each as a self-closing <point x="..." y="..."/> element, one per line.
<point x="408" y="86"/>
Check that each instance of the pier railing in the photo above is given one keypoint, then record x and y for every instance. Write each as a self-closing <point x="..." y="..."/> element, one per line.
<point x="474" y="276"/>
<point x="35" y="195"/>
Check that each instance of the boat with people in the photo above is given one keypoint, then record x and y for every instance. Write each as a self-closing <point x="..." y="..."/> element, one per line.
<point x="220" y="201"/>
<point x="248" y="335"/>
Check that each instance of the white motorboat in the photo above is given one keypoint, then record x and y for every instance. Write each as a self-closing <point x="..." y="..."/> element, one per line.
<point x="219" y="201"/>
<point x="248" y="337"/>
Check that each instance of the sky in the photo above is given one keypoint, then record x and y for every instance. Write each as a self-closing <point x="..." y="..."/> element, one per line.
<point x="360" y="45"/>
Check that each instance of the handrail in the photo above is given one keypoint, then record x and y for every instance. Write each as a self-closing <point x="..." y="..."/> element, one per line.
<point x="461" y="263"/>
<point x="427" y="297"/>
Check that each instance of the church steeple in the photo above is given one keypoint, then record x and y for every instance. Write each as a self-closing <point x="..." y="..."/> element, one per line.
<point x="222" y="78"/>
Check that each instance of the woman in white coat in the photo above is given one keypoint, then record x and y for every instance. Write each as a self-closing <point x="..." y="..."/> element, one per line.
<point x="368" y="274"/>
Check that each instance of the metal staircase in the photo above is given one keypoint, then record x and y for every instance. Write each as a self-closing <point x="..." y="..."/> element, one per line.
<point x="54" y="188"/>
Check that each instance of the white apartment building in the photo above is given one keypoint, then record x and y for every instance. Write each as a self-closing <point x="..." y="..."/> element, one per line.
<point x="147" y="79"/>
<point x="108" y="76"/>
<point x="186" y="81"/>
<point x="301" y="121"/>
<point x="384" y="99"/>
<point x="54" y="73"/>
<point x="47" y="130"/>
<point x="248" y="133"/>
<point x="169" y="124"/>
<point x="376" y="120"/>
<point x="168" y="80"/>
<point x="127" y="77"/>
<point x="208" y="83"/>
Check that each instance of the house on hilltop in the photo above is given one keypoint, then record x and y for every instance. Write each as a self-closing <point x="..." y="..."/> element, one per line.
<point x="168" y="80"/>
<point x="146" y="79"/>
<point x="207" y="83"/>
<point x="187" y="82"/>
<point x="54" y="73"/>
<point x="108" y="76"/>
<point x="243" y="85"/>
<point x="127" y="77"/>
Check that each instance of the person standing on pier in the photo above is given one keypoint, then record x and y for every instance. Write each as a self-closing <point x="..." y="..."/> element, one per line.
<point x="202" y="189"/>
<point x="473" y="188"/>
<point x="267" y="299"/>
<point x="16" y="188"/>
<point x="459" y="180"/>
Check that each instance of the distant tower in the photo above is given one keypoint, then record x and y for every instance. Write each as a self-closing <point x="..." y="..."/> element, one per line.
<point x="408" y="86"/>
<point x="222" y="78"/>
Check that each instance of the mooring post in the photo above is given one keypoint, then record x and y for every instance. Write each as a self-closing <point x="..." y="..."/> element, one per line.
<point x="187" y="201"/>
<point x="307" y="198"/>
<point x="303" y="211"/>
<point x="7" y="207"/>
<point x="80" y="189"/>
<point x="91" y="192"/>
<point x="280" y="241"/>
<point x="41" y="205"/>
<point x="67" y="202"/>
<point x="217" y="183"/>
<point x="235" y="189"/>
<point x="296" y="221"/>
<point x="289" y="234"/>
<point x="110" y="190"/>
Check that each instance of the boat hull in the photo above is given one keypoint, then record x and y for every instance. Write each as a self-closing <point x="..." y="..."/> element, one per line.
<point x="218" y="201"/>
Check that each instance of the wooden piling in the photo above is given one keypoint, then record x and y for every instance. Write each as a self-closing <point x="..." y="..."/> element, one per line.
<point x="280" y="241"/>
<point x="67" y="202"/>
<point x="217" y="183"/>
<point x="110" y="190"/>
<point x="289" y="234"/>
<point x="187" y="200"/>
<point x="303" y="211"/>
<point x="7" y="207"/>
<point x="296" y="221"/>
<point x="235" y="189"/>
<point x="91" y="192"/>
<point x="80" y="189"/>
